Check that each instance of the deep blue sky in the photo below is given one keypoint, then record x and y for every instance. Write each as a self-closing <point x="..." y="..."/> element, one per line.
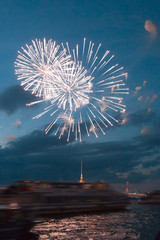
<point x="127" y="152"/>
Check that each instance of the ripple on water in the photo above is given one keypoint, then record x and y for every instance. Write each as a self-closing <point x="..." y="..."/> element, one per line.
<point x="140" y="222"/>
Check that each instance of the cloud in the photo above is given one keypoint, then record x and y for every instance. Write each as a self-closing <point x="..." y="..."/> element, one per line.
<point x="140" y="98"/>
<point x="151" y="28"/>
<point x="144" y="83"/>
<point x="17" y="123"/>
<point x="140" y="118"/>
<point x="11" y="138"/>
<point x="138" y="88"/>
<point x="152" y="139"/>
<point x="154" y="97"/>
<point x="35" y="142"/>
<point x="146" y="170"/>
<point x="45" y="157"/>
<point x="14" y="98"/>
<point x="145" y="131"/>
<point x="124" y="121"/>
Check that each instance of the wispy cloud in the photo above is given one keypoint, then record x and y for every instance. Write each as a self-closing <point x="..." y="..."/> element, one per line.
<point x="140" y="98"/>
<point x="11" y="138"/>
<point x="14" y="98"/>
<point x="124" y="121"/>
<point x="144" y="83"/>
<point x="17" y="123"/>
<point x="151" y="28"/>
<point x="138" y="88"/>
<point x="145" y="131"/>
<point x="154" y="97"/>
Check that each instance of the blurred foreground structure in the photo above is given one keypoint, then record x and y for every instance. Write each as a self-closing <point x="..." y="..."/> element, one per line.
<point x="40" y="198"/>
<point x="152" y="198"/>
<point x="27" y="200"/>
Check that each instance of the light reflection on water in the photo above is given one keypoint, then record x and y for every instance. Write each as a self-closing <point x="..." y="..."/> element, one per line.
<point x="139" y="222"/>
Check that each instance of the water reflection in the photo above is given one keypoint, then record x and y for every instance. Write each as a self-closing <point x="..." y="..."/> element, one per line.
<point x="140" y="223"/>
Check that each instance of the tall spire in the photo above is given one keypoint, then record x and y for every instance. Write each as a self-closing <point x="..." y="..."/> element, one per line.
<point x="81" y="179"/>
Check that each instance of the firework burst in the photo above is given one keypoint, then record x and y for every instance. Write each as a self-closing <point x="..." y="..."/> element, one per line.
<point x="38" y="67"/>
<point x="83" y="93"/>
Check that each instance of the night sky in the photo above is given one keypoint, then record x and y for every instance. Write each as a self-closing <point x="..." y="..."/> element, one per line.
<point x="130" y="151"/>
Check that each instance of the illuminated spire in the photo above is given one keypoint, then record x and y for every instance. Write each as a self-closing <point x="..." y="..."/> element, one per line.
<point x="81" y="179"/>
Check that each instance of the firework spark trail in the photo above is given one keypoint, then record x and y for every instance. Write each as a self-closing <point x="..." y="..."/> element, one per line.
<point x="105" y="81"/>
<point x="80" y="90"/>
<point x="38" y="67"/>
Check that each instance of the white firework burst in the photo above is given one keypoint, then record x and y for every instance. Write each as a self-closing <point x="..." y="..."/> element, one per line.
<point x="85" y="94"/>
<point x="38" y="66"/>
<point x="92" y="104"/>
<point x="73" y="88"/>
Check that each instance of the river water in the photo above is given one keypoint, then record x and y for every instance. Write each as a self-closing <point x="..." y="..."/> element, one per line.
<point x="138" y="222"/>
